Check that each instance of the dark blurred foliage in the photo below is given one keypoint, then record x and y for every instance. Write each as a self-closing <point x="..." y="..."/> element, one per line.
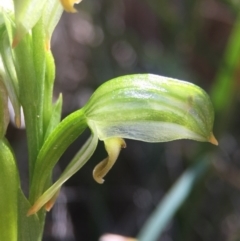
<point x="184" y="39"/>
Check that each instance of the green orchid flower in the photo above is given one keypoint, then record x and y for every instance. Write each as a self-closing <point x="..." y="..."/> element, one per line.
<point x="27" y="15"/>
<point x="142" y="107"/>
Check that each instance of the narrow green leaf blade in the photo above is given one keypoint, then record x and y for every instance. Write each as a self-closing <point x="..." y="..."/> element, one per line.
<point x="151" y="108"/>
<point x="164" y="212"/>
<point x="225" y="87"/>
<point x="48" y="108"/>
<point x="55" y="116"/>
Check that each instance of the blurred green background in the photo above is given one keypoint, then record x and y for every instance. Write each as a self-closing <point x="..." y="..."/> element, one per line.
<point x="193" y="40"/>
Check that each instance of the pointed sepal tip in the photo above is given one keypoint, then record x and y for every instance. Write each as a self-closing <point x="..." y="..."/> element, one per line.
<point x="213" y="140"/>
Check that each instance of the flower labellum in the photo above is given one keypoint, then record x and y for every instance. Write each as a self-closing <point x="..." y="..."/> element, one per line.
<point x="113" y="147"/>
<point x="68" y="5"/>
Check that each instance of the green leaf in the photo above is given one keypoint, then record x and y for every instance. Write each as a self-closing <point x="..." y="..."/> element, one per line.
<point x="28" y="227"/>
<point x="226" y="85"/>
<point x="159" y="219"/>
<point x="48" y="108"/>
<point x="55" y="117"/>
<point x="14" y="224"/>
<point x="151" y="108"/>
<point x="9" y="184"/>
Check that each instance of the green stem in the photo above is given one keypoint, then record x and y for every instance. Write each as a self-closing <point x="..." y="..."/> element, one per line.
<point x="39" y="60"/>
<point x="29" y="97"/>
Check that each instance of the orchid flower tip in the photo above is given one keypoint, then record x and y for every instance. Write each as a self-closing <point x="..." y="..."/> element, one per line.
<point x="113" y="147"/>
<point x="213" y="140"/>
